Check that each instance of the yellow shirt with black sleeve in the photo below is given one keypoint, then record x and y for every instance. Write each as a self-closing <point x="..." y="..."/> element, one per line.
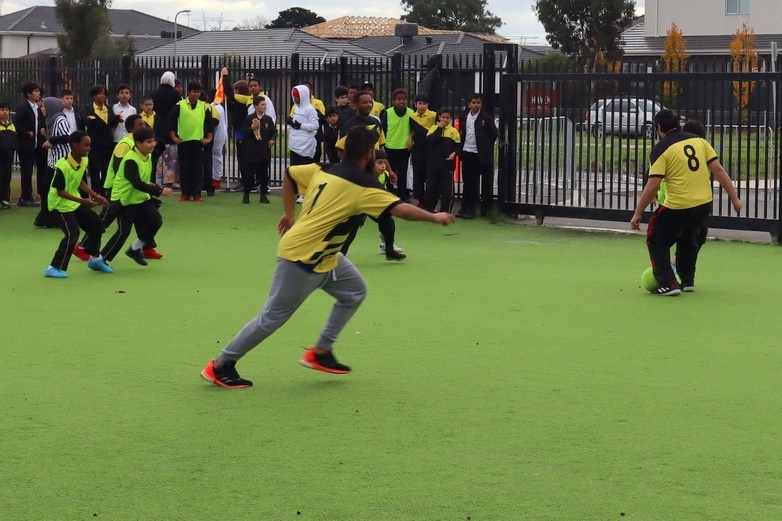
<point x="124" y="146"/>
<point x="371" y="122"/>
<point x="336" y="195"/>
<point x="682" y="161"/>
<point x="101" y="112"/>
<point x="68" y="175"/>
<point x="420" y="124"/>
<point x="377" y="108"/>
<point x="7" y="139"/>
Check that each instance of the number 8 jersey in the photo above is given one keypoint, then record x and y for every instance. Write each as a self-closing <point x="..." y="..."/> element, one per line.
<point x="682" y="160"/>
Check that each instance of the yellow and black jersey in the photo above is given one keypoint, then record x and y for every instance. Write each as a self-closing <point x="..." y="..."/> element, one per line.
<point x="682" y="160"/>
<point x="420" y="124"/>
<point x="371" y="122"/>
<point x="336" y="195"/>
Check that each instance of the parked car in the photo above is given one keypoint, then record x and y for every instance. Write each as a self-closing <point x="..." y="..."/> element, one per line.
<point x="633" y="116"/>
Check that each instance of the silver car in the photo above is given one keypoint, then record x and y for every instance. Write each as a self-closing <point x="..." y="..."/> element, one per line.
<point x="630" y="116"/>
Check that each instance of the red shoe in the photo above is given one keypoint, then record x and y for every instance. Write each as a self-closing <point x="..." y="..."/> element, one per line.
<point x="198" y="199"/>
<point x="215" y="183"/>
<point x="183" y="199"/>
<point x="78" y="250"/>
<point x="323" y="362"/>
<point x="150" y="253"/>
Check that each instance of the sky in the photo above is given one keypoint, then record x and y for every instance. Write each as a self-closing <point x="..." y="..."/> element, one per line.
<point x="520" y="23"/>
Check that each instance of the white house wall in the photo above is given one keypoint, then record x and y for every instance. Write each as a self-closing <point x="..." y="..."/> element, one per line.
<point x="707" y="17"/>
<point x="14" y="46"/>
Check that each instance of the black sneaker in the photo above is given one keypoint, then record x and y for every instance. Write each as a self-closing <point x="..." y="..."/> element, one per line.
<point x="225" y="376"/>
<point x="264" y="199"/>
<point x="323" y="362"/>
<point x="137" y="256"/>
<point x="688" y="287"/>
<point x="395" y="256"/>
<point x="668" y="290"/>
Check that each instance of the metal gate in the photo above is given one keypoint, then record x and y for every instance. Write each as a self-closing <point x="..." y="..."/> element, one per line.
<point x="578" y="145"/>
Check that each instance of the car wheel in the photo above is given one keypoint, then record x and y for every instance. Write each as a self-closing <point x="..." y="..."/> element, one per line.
<point x="648" y="131"/>
<point x="597" y="130"/>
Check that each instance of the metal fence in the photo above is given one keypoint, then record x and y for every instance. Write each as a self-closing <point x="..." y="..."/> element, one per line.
<point x="460" y="76"/>
<point x="578" y="144"/>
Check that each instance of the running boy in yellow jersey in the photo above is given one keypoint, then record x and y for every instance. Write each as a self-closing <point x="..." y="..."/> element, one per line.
<point x="309" y="258"/>
<point x="133" y="190"/>
<point x="72" y="212"/>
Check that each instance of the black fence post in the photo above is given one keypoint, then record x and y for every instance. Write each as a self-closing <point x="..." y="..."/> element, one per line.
<point x="343" y="71"/>
<point x="396" y="71"/>
<point x="295" y="68"/>
<point x="52" y="73"/>
<point x="777" y="144"/>
<point x="204" y="72"/>
<point x="126" y="69"/>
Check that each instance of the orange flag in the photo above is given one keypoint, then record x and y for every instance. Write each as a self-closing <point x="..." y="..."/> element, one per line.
<point x="219" y="93"/>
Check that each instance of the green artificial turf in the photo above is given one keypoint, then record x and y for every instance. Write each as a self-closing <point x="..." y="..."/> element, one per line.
<point x="501" y="372"/>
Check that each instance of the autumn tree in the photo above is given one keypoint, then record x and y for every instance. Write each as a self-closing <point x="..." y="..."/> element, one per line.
<point x="675" y="60"/>
<point x="469" y="16"/>
<point x="84" y="22"/>
<point x="586" y="28"/>
<point x="744" y="58"/>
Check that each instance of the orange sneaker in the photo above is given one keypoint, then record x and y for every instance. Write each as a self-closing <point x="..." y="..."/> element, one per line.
<point x="183" y="199"/>
<point x="323" y="362"/>
<point x="78" y="250"/>
<point x="225" y="376"/>
<point x="198" y="199"/>
<point x="151" y="253"/>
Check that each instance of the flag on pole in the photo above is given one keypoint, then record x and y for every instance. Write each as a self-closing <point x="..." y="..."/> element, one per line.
<point x="220" y="92"/>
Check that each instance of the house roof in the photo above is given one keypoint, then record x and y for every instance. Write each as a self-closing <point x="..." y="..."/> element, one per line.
<point x="42" y="20"/>
<point x="272" y="42"/>
<point x="635" y="44"/>
<point x="352" y="27"/>
<point x="451" y="43"/>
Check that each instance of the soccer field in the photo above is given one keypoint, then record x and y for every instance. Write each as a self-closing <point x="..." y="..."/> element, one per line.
<point x="501" y="372"/>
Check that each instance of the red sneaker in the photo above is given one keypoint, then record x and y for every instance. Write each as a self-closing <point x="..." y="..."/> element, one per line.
<point x="183" y="199"/>
<point x="198" y="199"/>
<point x="78" y="250"/>
<point x="224" y="376"/>
<point x="151" y="253"/>
<point x="215" y="183"/>
<point x="323" y="362"/>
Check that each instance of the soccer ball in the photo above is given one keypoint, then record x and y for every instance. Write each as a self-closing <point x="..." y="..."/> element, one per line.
<point x="648" y="282"/>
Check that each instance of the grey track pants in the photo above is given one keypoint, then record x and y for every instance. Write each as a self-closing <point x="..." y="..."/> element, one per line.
<point x="291" y="285"/>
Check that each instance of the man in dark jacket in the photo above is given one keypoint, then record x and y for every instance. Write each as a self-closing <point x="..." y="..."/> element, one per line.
<point x="30" y="126"/>
<point x="478" y="133"/>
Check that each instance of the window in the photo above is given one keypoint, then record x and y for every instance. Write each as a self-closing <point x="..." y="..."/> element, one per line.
<point x="737" y="7"/>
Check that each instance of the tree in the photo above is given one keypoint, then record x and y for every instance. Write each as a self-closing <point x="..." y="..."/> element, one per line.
<point x="295" y="17"/>
<point x="469" y="16"/>
<point x="84" y="22"/>
<point x="250" y="24"/>
<point x="586" y="28"/>
<point x="744" y="58"/>
<point x="675" y="60"/>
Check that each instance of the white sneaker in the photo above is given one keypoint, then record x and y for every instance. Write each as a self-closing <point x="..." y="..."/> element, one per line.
<point x="300" y="199"/>
<point x="383" y="249"/>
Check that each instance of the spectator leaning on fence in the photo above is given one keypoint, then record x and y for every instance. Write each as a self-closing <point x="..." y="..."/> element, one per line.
<point x="478" y="133"/>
